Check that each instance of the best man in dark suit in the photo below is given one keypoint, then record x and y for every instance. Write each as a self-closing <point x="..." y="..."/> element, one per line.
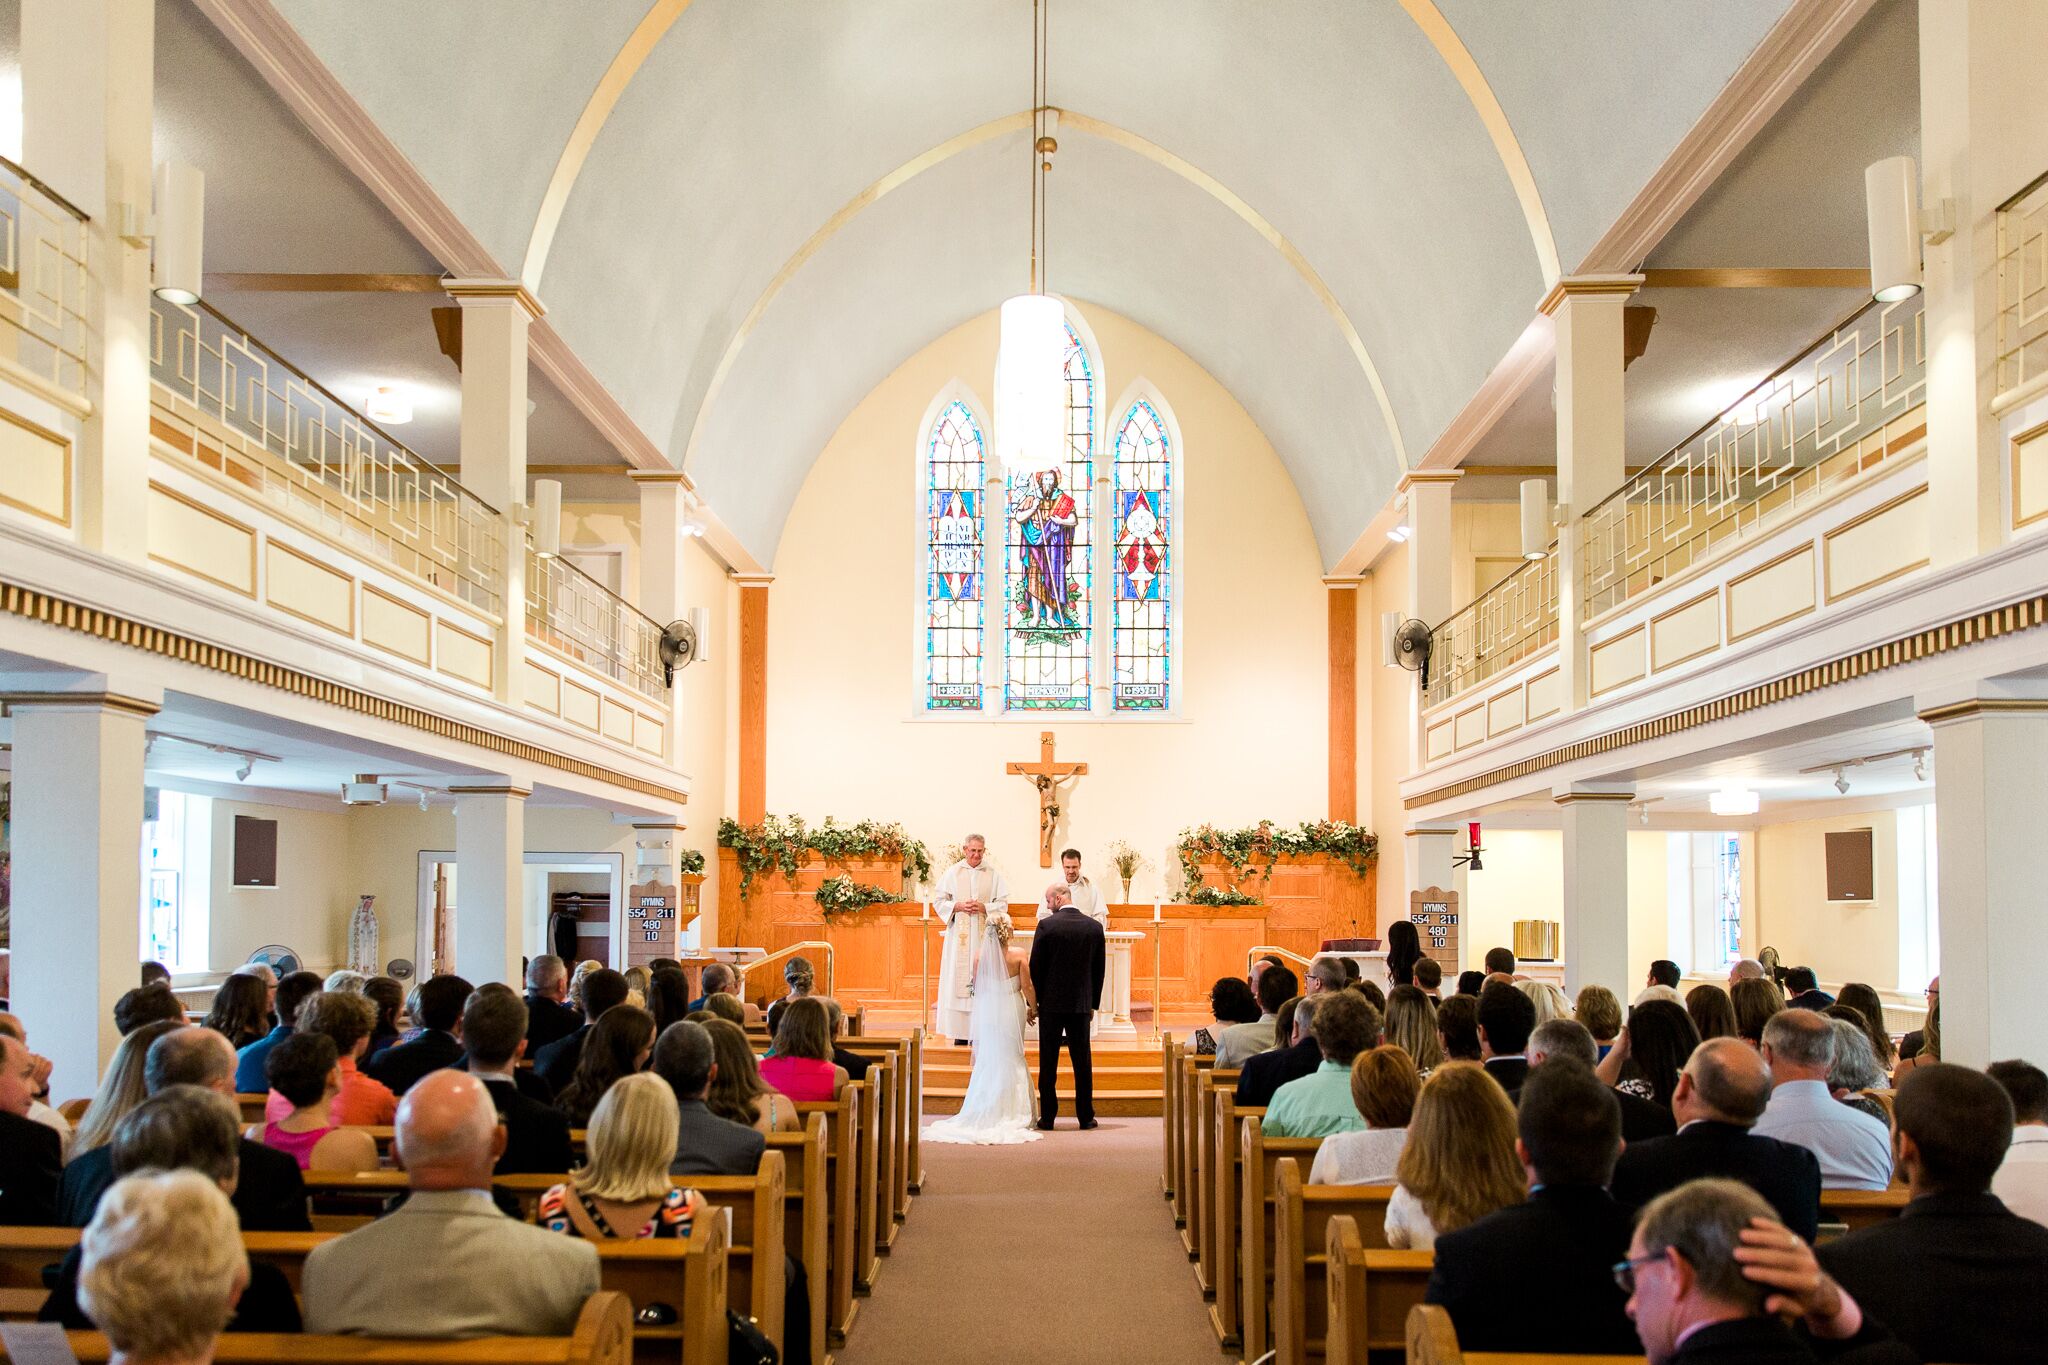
<point x="31" y="1153"/>
<point x="1506" y="1017"/>
<point x="494" y="1032"/>
<point x="1572" y="1041"/>
<point x="1957" y="1276"/>
<point x="1720" y="1096"/>
<point x="438" y="1047"/>
<point x="1068" y="955"/>
<point x="556" y="1062"/>
<point x="1539" y="1275"/>
<point x="547" y="1017"/>
<point x="1266" y="1072"/>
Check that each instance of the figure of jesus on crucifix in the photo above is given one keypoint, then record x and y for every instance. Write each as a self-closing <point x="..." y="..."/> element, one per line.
<point x="1046" y="775"/>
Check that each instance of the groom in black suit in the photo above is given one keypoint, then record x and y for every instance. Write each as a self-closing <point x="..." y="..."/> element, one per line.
<point x="1067" y="959"/>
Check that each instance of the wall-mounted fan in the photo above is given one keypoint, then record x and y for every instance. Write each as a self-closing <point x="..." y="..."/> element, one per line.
<point x="280" y="959"/>
<point x="683" y="643"/>
<point x="1411" y="647"/>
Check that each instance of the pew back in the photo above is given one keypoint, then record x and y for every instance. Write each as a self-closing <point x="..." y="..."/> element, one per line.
<point x="1262" y="1156"/>
<point x="1226" y="1314"/>
<point x="1368" y="1293"/>
<point x="1202" y="1179"/>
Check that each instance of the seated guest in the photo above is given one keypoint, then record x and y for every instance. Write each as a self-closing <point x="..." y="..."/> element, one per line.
<point x="1383" y="1090"/>
<point x="389" y="997"/>
<point x="1230" y="1002"/>
<point x="241" y="1010"/>
<point x="668" y="997"/>
<point x="1651" y="1051"/>
<point x="2022" y="1181"/>
<point x="1663" y="972"/>
<point x="603" y="989"/>
<point x="439" y="1044"/>
<point x="1550" y="1002"/>
<point x="1320" y="1104"/>
<point x="1374" y="996"/>
<point x="346" y="1020"/>
<point x="1501" y="961"/>
<point x="623" y="1192"/>
<point x="1506" y="1017"/>
<point x="31" y="1154"/>
<point x="1429" y="975"/>
<point x="1663" y="993"/>
<point x="1262" y="1075"/>
<point x="1854" y="1148"/>
<point x="1855" y="1075"/>
<point x="1411" y="1026"/>
<point x="1869" y="1011"/>
<point x="547" y="1016"/>
<point x="187" y="1129"/>
<point x="579" y="975"/>
<point x="852" y="1063"/>
<point x="1600" y="1012"/>
<point x="1471" y="983"/>
<point x="1721" y="1094"/>
<point x="705" y="1143"/>
<point x="728" y="1008"/>
<point x="292" y="991"/>
<point x="1458" y="1164"/>
<point x="447" y="1263"/>
<point x="149" y="1004"/>
<point x="306" y="1070"/>
<point x="1804" y="992"/>
<point x="1276" y="985"/>
<point x="346" y="981"/>
<point x="1538" y="1276"/>
<point x="1928" y="1051"/>
<point x="268" y="1194"/>
<point x="493" y="1036"/>
<point x="267" y="974"/>
<point x="1567" y="1040"/>
<point x="1713" y="1013"/>
<point x="1457" y="1028"/>
<point x="39" y="1083"/>
<point x="1910" y="1045"/>
<point x="1326" y="973"/>
<point x="738" y="1092"/>
<point x="618" y="1044"/>
<point x="1698" y="1294"/>
<point x="800" y="978"/>
<point x="802" y="1066"/>
<point x="1754" y="1000"/>
<point x="1745" y="969"/>
<point x="718" y="977"/>
<point x="161" y="1268"/>
<point x="1957" y="1275"/>
<point x="155" y="973"/>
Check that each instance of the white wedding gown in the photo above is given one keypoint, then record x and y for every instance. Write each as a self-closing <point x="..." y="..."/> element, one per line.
<point x="998" y="1109"/>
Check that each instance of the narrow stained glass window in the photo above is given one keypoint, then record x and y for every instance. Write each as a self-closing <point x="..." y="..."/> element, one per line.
<point x="955" y="458"/>
<point x="1142" y="567"/>
<point x="1048" y="574"/>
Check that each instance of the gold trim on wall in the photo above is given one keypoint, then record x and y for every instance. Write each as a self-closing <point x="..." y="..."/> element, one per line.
<point x="1528" y="716"/>
<point x="35" y="605"/>
<point x="1476" y="709"/>
<point x="1759" y="277"/>
<point x="1728" y="607"/>
<point x="255" y="541"/>
<point x="1827" y="568"/>
<point x="402" y="605"/>
<point x="62" y="441"/>
<point x="270" y="601"/>
<point x="1593" y="652"/>
<point x="1656" y="667"/>
<point x="106" y="701"/>
<point x="1985" y="706"/>
<point x="490" y="652"/>
<point x="2033" y="433"/>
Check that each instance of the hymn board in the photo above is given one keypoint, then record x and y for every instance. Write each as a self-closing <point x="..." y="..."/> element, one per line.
<point x="650" y="922"/>
<point x="1434" y="913"/>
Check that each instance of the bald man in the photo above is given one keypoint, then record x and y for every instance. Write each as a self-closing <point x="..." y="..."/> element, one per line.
<point x="448" y="1263"/>
<point x="1720" y="1096"/>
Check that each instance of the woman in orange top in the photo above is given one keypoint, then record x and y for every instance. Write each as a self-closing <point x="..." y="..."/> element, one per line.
<point x="346" y="1020"/>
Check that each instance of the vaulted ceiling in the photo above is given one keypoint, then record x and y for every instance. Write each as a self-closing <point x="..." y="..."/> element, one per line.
<point x="742" y="214"/>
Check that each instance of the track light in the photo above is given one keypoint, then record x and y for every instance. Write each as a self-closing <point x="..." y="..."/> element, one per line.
<point x="423" y="798"/>
<point x="242" y="773"/>
<point x="1841" y="781"/>
<point x="1920" y="766"/>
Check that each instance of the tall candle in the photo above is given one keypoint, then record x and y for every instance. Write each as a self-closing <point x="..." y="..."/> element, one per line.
<point x="1155" y="912"/>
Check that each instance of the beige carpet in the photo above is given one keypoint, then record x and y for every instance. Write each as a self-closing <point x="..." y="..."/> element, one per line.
<point x="1060" y="1250"/>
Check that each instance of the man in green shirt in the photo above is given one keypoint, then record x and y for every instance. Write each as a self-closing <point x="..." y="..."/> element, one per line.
<point x="1320" y="1104"/>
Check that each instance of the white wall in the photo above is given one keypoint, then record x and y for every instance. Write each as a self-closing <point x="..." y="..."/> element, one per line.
<point x="1857" y="941"/>
<point x="1523" y="878"/>
<point x="307" y="910"/>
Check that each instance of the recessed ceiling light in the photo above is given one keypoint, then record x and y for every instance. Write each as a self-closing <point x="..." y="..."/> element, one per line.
<point x="390" y="405"/>
<point x="1734" y="801"/>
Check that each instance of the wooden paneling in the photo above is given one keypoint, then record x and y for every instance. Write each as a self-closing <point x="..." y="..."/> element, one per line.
<point x="1617" y="662"/>
<point x="397" y="627"/>
<point x="1685" y="632"/>
<point x="543" y="689"/>
<point x="460" y="654"/>
<point x="1882" y="544"/>
<point x="1546" y="695"/>
<point x="580" y="705"/>
<point x="1771" y="594"/>
<point x="2030" y="476"/>
<point x="618" y="722"/>
<point x="753" y="708"/>
<point x="186" y="535"/>
<point x="647" y="734"/>
<point x="301" y="586"/>
<point x="1343" y="603"/>
<point x="1436" y="741"/>
<point x="35" y="469"/>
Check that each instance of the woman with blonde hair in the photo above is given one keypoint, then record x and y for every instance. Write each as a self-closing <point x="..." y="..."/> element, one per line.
<point x="737" y="1091"/>
<point x="161" y="1267"/>
<point x="1459" y="1163"/>
<point x="583" y="969"/>
<point x="1550" y="1002"/>
<point x="623" y="1192"/>
<point x="1411" y="1026"/>
<point x="1599" y="1009"/>
<point x="121" y="1089"/>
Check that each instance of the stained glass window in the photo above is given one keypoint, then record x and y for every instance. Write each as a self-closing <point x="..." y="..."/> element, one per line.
<point x="955" y="458"/>
<point x="1048" y="564"/>
<point x="1142" y="568"/>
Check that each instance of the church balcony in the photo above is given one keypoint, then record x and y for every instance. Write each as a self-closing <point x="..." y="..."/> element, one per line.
<point x="44" y="279"/>
<point x="2022" y="331"/>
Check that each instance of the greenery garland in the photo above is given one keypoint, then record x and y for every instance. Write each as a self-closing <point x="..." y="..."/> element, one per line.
<point x="1266" y="843"/>
<point x="692" y="861"/>
<point x="785" y="841"/>
<point x="842" y="895"/>
<point x="1221" y="895"/>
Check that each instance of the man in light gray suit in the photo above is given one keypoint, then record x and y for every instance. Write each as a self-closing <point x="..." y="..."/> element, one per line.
<point x="447" y="1263"/>
<point x="705" y="1143"/>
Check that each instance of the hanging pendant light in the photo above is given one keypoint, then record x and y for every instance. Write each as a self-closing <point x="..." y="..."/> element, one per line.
<point x="1031" y="359"/>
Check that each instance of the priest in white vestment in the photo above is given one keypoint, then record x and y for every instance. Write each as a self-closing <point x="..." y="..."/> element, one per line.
<point x="969" y="897"/>
<point x="1081" y="892"/>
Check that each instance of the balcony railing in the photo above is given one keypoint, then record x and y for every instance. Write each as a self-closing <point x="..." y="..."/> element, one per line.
<point x="237" y="407"/>
<point x="1496" y="630"/>
<point x="579" y="617"/>
<point x="1846" y="404"/>
<point x="2023" y="287"/>
<point x="45" y="273"/>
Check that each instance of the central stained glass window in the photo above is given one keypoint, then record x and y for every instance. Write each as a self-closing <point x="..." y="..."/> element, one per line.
<point x="1048" y="564"/>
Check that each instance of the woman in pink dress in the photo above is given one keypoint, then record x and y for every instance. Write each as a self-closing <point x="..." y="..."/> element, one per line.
<point x="306" y="1069"/>
<point x="801" y="1066"/>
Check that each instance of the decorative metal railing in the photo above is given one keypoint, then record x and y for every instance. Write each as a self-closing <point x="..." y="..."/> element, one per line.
<point x="1843" y="406"/>
<point x="234" y="405"/>
<point x="1493" y="632"/>
<point x="577" y="616"/>
<point x="2023" y="287"/>
<point x="45" y="276"/>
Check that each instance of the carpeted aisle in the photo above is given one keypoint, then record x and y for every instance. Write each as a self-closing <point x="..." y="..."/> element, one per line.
<point x="1060" y="1250"/>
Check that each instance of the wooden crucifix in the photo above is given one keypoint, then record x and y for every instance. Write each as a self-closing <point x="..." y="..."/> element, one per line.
<point x="1046" y="775"/>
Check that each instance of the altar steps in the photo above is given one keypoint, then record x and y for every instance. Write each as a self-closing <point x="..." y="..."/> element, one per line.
<point x="1128" y="1083"/>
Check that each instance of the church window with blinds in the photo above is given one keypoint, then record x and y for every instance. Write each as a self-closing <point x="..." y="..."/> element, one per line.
<point x="1022" y="568"/>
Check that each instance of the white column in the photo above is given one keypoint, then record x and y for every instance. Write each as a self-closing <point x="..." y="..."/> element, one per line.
<point x="77" y="889"/>
<point x="1595" y="889"/>
<point x="495" y="317"/>
<point x="1991" y="785"/>
<point x="490" y="881"/>
<point x="1428" y="857"/>
<point x="87" y="70"/>
<point x="1587" y="313"/>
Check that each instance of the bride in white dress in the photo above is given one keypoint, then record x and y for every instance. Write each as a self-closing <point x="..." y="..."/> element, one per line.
<point x="998" y="1109"/>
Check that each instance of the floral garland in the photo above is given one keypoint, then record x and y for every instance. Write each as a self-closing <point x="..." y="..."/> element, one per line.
<point x="1221" y="895"/>
<point x="842" y="895"/>
<point x="1358" y="849"/>
<point x="784" y="842"/>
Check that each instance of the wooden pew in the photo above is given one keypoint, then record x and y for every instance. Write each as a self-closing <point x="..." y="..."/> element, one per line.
<point x="806" y="1216"/>
<point x="898" y="1102"/>
<point x="1182" y="1083"/>
<point x="252" y="1106"/>
<point x="1226" y="1313"/>
<point x="1861" y="1208"/>
<point x="1258" y="1227"/>
<point x="1368" y="1293"/>
<point x="1202" y="1178"/>
<point x="603" y="1335"/>
<point x="843" y="1119"/>
<point x="1301" y="1218"/>
<point x="1169" y="1067"/>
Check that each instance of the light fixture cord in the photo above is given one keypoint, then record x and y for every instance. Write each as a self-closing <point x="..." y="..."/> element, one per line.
<point x="1033" y="141"/>
<point x="1039" y="159"/>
